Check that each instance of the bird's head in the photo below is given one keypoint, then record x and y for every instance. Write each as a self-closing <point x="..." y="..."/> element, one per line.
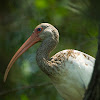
<point x="46" y="30"/>
<point x="40" y="33"/>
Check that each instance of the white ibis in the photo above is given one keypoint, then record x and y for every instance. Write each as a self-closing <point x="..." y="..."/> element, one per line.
<point x="69" y="70"/>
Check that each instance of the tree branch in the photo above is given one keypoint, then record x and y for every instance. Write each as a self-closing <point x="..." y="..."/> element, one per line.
<point x="23" y="87"/>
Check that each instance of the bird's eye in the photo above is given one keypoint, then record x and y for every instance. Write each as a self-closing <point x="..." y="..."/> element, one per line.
<point x="39" y="29"/>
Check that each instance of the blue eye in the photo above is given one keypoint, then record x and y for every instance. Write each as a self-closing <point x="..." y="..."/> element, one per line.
<point x="39" y="29"/>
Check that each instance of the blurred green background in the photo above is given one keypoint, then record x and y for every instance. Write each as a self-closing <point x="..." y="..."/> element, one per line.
<point x="18" y="18"/>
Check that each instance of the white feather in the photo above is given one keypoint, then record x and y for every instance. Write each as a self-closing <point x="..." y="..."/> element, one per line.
<point x="76" y="71"/>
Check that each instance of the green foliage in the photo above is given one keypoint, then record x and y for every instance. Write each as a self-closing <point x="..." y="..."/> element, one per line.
<point x="41" y="4"/>
<point x="24" y="97"/>
<point x="17" y="21"/>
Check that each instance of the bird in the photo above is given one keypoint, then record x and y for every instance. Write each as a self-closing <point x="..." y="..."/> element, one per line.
<point x="70" y="70"/>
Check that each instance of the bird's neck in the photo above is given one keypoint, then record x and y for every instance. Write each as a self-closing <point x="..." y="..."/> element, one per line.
<point x="43" y="52"/>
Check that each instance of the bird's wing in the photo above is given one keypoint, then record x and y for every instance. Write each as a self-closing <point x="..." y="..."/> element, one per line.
<point x="77" y="63"/>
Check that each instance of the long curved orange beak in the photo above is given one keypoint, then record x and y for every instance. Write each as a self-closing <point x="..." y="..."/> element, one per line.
<point x="34" y="38"/>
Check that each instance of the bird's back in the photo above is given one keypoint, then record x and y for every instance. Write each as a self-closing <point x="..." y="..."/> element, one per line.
<point x="74" y="74"/>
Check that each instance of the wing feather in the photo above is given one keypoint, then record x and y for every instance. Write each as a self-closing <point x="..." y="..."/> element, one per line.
<point x="77" y="61"/>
